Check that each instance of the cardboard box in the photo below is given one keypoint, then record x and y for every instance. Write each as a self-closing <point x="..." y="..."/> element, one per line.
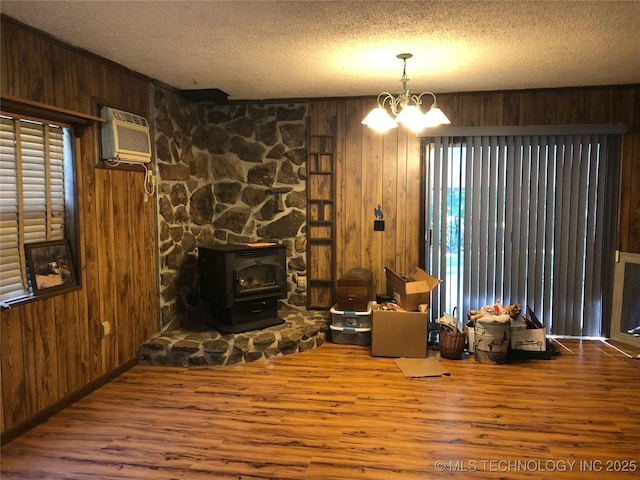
<point x="412" y="289"/>
<point x="398" y="334"/>
<point x="530" y="339"/>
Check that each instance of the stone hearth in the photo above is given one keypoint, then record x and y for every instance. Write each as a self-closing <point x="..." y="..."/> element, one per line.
<point x="185" y="347"/>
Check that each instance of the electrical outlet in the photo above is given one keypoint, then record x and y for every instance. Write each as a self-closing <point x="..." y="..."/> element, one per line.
<point x="105" y="329"/>
<point x="302" y="281"/>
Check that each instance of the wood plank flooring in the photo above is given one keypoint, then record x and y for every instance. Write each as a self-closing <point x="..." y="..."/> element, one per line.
<point x="335" y="412"/>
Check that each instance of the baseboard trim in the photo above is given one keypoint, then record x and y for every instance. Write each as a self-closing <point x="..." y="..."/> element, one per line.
<point x="69" y="399"/>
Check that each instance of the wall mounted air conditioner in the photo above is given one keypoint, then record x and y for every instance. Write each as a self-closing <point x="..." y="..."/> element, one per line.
<point x="125" y="137"/>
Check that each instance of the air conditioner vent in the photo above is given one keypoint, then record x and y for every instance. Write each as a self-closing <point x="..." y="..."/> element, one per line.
<point x="125" y="137"/>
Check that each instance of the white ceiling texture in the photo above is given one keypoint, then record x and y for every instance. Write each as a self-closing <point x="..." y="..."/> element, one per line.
<point x="260" y="50"/>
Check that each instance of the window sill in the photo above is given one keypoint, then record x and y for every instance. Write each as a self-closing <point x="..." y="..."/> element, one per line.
<point x="15" y="302"/>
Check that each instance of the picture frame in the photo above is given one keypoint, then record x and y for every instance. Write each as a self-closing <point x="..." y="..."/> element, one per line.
<point x="50" y="266"/>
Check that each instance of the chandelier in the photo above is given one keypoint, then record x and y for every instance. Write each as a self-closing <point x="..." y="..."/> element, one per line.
<point x="405" y="107"/>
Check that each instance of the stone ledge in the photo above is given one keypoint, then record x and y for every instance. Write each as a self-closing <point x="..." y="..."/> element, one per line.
<point x="302" y="330"/>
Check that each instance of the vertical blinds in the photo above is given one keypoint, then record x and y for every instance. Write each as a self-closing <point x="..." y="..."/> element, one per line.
<point x="32" y="195"/>
<point x="526" y="219"/>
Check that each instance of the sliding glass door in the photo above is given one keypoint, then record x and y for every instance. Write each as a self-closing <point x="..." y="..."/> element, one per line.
<point x="526" y="219"/>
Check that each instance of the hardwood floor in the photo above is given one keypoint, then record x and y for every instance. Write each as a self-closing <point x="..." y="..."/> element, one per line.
<point x="335" y="412"/>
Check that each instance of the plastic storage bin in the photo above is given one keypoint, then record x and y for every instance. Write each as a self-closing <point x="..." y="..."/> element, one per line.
<point x="347" y="318"/>
<point x="351" y="335"/>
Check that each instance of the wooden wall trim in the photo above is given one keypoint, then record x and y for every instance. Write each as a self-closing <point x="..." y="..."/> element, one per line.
<point x="574" y="129"/>
<point x="29" y="107"/>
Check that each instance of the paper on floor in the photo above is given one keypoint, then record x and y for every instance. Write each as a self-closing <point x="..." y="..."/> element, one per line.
<point x="421" y="367"/>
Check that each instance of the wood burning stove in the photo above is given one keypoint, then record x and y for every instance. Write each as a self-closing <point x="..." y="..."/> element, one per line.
<point x="243" y="284"/>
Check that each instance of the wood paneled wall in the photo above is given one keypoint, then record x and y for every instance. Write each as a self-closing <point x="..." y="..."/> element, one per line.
<point x="52" y="347"/>
<point x="371" y="170"/>
<point x="384" y="169"/>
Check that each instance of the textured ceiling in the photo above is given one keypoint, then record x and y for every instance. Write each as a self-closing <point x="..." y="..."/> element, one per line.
<point x="307" y="49"/>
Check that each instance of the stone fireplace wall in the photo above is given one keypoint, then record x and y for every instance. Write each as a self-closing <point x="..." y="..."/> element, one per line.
<point x="225" y="174"/>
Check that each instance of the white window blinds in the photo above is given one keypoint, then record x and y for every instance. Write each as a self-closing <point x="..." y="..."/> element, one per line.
<point x="32" y="195"/>
<point x="526" y="219"/>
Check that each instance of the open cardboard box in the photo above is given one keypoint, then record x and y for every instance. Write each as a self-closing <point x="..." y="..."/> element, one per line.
<point x="398" y="334"/>
<point x="530" y="339"/>
<point x="412" y="289"/>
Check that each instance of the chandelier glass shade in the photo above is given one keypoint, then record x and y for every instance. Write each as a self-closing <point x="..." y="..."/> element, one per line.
<point x="405" y="107"/>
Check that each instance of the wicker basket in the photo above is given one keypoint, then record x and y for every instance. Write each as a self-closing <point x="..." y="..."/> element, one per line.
<point x="451" y="343"/>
